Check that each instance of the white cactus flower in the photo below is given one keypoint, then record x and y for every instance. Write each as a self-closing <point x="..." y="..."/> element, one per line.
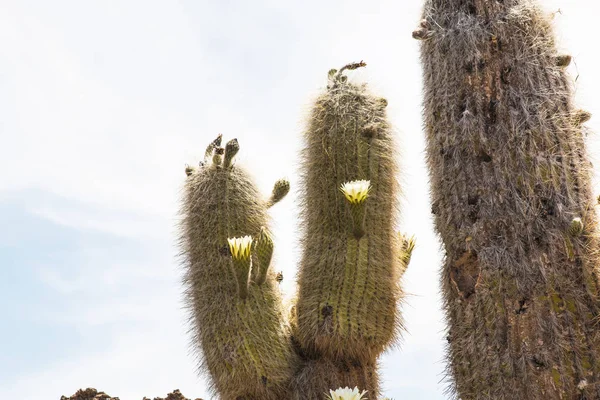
<point x="240" y="247"/>
<point x="347" y="394"/>
<point x="356" y="191"/>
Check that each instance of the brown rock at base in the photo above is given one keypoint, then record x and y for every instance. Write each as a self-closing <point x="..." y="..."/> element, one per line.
<point x="89" y="394"/>
<point x="93" y="394"/>
<point x="175" y="395"/>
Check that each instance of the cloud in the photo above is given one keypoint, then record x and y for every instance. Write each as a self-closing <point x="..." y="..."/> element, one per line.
<point x="148" y="362"/>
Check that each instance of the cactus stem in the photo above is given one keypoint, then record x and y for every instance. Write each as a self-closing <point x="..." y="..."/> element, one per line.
<point x="518" y="282"/>
<point x="242" y="275"/>
<point x="358" y="220"/>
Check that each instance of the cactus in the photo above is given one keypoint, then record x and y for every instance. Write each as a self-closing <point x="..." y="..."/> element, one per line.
<point x="346" y="312"/>
<point x="231" y="291"/>
<point x="348" y="282"/>
<point x="512" y="199"/>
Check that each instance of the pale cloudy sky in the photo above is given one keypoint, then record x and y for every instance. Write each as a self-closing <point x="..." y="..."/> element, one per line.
<point x="102" y="103"/>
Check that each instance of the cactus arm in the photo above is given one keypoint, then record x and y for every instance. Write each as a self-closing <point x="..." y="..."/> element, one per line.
<point x="280" y="190"/>
<point x="239" y="330"/>
<point x="346" y="310"/>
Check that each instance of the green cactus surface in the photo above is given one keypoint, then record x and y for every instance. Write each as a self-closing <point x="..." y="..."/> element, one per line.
<point x="234" y="301"/>
<point x="349" y="274"/>
<point x="511" y="194"/>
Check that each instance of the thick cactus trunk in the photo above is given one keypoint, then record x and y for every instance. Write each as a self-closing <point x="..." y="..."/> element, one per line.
<point x="512" y="202"/>
<point x="234" y="300"/>
<point x="348" y="283"/>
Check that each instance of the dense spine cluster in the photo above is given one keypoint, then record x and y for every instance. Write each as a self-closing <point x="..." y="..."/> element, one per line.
<point x="511" y="194"/>
<point x="235" y="304"/>
<point x="348" y="284"/>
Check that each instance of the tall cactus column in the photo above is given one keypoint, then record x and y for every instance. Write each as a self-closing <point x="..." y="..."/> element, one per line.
<point x="348" y="282"/>
<point x="234" y="301"/>
<point x="512" y="202"/>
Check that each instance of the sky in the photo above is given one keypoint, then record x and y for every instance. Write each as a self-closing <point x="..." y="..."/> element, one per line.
<point x="102" y="103"/>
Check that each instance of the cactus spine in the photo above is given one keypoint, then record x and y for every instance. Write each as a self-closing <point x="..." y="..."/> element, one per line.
<point x="512" y="202"/>
<point x="231" y="291"/>
<point x="348" y="281"/>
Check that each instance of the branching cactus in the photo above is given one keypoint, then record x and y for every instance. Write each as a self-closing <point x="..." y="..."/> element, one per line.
<point x="346" y="311"/>
<point x="231" y="290"/>
<point x="512" y="201"/>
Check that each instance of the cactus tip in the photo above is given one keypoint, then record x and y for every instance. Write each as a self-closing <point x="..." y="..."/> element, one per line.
<point x="217" y="141"/>
<point x="280" y="190"/>
<point x="211" y="147"/>
<point x="231" y="149"/>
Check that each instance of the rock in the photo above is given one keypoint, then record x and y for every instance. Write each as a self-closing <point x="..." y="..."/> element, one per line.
<point x="93" y="394"/>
